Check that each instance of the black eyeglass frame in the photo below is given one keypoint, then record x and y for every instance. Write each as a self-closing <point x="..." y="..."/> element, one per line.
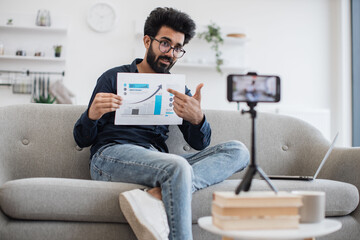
<point x="170" y="48"/>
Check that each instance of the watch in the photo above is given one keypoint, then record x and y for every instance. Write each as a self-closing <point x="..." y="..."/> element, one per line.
<point x="101" y="17"/>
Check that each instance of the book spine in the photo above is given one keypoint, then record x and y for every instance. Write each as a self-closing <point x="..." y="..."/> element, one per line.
<point x="253" y="211"/>
<point x="280" y="222"/>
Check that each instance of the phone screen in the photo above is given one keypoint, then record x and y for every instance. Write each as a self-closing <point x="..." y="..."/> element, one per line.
<point x="253" y="88"/>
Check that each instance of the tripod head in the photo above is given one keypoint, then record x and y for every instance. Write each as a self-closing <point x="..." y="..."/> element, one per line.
<point x="252" y="110"/>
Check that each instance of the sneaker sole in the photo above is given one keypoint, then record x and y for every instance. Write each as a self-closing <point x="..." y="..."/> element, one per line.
<point x="141" y="231"/>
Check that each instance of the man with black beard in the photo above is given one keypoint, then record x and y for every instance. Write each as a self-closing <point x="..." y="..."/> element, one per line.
<point x="138" y="154"/>
<point x="157" y="66"/>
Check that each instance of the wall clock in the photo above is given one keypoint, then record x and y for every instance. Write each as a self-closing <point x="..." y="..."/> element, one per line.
<point x="101" y="17"/>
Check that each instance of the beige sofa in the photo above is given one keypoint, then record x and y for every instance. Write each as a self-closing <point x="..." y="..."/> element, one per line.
<point x="46" y="191"/>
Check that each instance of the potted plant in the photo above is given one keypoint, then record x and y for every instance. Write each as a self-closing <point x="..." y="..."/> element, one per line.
<point x="57" y="49"/>
<point x="213" y="36"/>
<point x="48" y="99"/>
<point x="9" y="22"/>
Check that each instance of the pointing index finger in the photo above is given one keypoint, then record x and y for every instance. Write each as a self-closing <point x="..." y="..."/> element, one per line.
<point x="176" y="93"/>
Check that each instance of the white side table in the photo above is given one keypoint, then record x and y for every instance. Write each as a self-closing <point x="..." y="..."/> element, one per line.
<point x="305" y="231"/>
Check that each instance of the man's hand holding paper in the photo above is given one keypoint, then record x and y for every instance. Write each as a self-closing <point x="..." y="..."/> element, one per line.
<point x="103" y="103"/>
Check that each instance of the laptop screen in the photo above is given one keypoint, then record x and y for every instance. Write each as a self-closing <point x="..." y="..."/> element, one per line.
<point x="326" y="155"/>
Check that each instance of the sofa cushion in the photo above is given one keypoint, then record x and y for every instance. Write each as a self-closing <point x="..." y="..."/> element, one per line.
<point x="63" y="199"/>
<point x="95" y="201"/>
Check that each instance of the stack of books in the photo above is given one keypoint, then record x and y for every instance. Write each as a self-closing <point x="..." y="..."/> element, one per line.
<point x="255" y="210"/>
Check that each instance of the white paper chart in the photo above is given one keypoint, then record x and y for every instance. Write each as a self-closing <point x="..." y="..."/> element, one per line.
<point x="146" y="100"/>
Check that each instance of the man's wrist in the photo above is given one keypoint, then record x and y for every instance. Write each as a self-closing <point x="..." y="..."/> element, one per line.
<point x="90" y="115"/>
<point x="201" y="120"/>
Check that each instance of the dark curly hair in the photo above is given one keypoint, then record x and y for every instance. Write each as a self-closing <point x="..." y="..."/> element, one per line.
<point x="179" y="21"/>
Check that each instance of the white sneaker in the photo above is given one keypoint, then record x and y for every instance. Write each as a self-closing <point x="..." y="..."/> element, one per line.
<point x="145" y="214"/>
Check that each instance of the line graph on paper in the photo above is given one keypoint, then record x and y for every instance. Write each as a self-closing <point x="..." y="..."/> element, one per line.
<point x="142" y="99"/>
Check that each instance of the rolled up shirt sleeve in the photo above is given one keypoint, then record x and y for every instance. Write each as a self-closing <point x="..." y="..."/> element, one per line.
<point x="85" y="130"/>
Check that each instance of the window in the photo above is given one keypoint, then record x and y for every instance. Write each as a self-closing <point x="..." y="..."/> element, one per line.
<point x="355" y="29"/>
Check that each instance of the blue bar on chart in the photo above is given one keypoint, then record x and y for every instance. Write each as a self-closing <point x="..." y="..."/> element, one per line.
<point x="157" y="108"/>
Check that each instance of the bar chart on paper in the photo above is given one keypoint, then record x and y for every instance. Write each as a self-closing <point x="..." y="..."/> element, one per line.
<point x="146" y="100"/>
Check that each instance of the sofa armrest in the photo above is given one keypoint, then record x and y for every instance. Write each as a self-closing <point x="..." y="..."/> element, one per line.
<point x="344" y="165"/>
<point x="4" y="173"/>
<point x="3" y="222"/>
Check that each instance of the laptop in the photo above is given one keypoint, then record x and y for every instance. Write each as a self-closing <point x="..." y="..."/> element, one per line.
<point x="308" y="178"/>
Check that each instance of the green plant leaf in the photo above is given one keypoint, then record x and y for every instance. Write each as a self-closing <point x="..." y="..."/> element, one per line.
<point x="42" y="99"/>
<point x="213" y="36"/>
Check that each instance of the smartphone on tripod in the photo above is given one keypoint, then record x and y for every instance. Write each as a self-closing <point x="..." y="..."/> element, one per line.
<point x="253" y="88"/>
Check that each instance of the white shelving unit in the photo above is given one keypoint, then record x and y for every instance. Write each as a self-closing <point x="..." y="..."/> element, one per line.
<point x="30" y="58"/>
<point x="30" y="39"/>
<point x="207" y="66"/>
<point x="33" y="28"/>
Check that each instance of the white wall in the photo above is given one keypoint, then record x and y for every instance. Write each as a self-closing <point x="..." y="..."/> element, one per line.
<point x="302" y="41"/>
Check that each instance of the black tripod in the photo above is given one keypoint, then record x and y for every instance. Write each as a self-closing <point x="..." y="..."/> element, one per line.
<point x="253" y="168"/>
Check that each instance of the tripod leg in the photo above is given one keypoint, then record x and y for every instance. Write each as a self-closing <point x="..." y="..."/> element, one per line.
<point x="267" y="179"/>
<point x="246" y="182"/>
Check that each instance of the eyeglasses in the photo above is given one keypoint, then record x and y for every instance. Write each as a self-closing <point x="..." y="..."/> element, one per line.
<point x="165" y="47"/>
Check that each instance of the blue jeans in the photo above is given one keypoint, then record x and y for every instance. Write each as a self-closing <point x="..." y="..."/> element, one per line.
<point x="178" y="176"/>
